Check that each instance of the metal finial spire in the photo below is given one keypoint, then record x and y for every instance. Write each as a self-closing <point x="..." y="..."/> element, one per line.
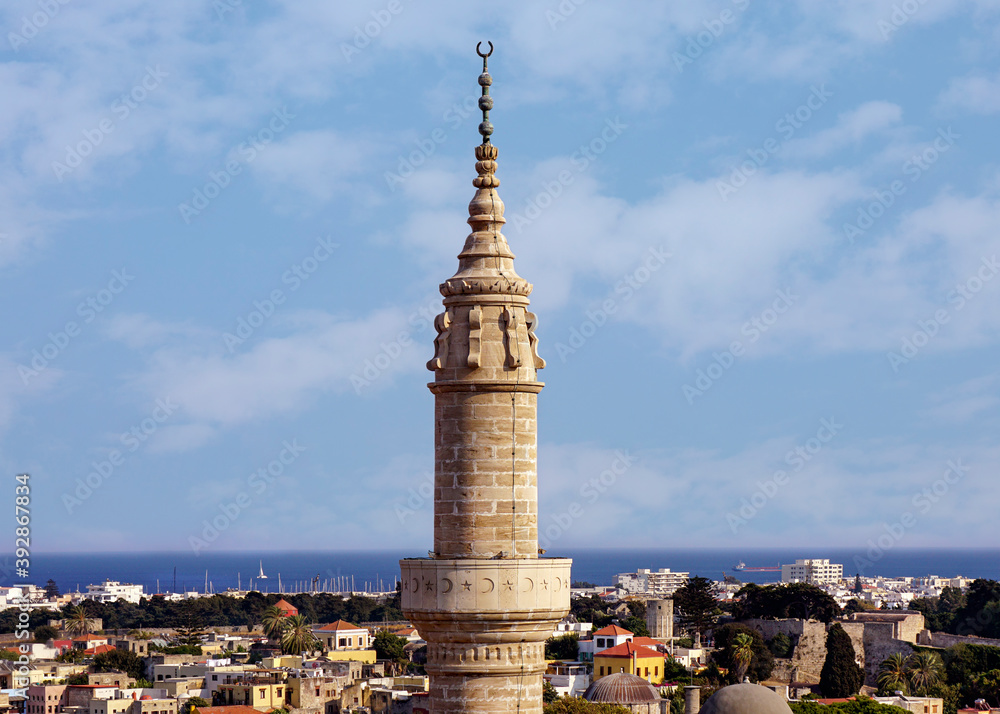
<point x="485" y="101"/>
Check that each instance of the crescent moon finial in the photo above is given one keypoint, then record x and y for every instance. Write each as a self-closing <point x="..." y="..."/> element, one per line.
<point x="485" y="101"/>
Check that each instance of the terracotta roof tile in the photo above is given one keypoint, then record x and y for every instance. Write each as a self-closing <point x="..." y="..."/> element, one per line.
<point x="612" y="630"/>
<point x="339" y="625"/>
<point x="627" y="649"/>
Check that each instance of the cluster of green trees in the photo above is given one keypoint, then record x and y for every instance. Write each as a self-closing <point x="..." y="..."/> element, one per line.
<point x="860" y="705"/>
<point x="214" y="611"/>
<point x="578" y="705"/>
<point x="960" y="675"/>
<point x="601" y="613"/>
<point x="795" y="600"/>
<point x="975" y="612"/>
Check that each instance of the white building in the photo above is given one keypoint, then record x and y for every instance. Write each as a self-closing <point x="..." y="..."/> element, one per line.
<point x="813" y="571"/>
<point x="570" y="679"/>
<point x="581" y="629"/>
<point x="341" y="635"/>
<point x="113" y="591"/>
<point x="603" y="639"/>
<point x="659" y="583"/>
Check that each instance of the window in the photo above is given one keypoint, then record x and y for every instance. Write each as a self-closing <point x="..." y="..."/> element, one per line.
<point x="647" y="671"/>
<point x="263" y="693"/>
<point x="343" y="642"/>
<point x="656" y="671"/>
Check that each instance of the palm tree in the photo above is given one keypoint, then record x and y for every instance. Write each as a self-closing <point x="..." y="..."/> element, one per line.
<point x="894" y="674"/>
<point x="742" y="653"/>
<point x="77" y="622"/>
<point x="297" y="636"/>
<point x="274" y="622"/>
<point x="926" y="669"/>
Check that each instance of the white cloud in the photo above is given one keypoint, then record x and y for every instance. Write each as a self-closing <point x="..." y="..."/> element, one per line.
<point x="318" y="164"/>
<point x="851" y="128"/>
<point x="140" y="330"/>
<point x="972" y="399"/>
<point x="977" y="94"/>
<point x="274" y="375"/>
<point x="20" y="381"/>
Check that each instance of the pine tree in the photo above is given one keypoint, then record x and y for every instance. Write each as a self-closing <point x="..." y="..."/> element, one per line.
<point x="841" y="676"/>
<point x="858" y="589"/>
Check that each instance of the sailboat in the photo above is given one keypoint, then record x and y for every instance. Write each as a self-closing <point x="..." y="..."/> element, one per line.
<point x="262" y="576"/>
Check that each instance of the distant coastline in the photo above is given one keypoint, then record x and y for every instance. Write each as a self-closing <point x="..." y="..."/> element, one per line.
<point x="228" y="569"/>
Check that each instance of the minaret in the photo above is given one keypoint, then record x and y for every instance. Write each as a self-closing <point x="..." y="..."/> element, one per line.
<point x="484" y="601"/>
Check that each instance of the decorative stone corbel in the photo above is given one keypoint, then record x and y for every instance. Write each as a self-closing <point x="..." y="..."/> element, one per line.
<point x="442" y="323"/>
<point x="531" y="320"/>
<point x="475" y="336"/>
<point x="510" y="338"/>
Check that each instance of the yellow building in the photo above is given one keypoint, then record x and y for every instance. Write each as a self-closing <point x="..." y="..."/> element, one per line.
<point x="262" y="692"/>
<point x="291" y="661"/>
<point x="631" y="659"/>
<point x="366" y="656"/>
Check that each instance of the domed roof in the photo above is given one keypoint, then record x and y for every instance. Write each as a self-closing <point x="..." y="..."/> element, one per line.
<point x="621" y="688"/>
<point x="746" y="699"/>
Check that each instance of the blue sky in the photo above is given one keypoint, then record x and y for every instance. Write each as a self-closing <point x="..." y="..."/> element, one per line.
<point x="763" y="239"/>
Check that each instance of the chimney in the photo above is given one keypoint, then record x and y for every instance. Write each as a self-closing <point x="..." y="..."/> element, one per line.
<point x="692" y="700"/>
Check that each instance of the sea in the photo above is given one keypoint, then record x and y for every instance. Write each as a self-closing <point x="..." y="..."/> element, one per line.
<point x="376" y="571"/>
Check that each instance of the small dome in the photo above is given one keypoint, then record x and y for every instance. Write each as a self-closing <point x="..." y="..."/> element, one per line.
<point x="746" y="699"/>
<point x="621" y="688"/>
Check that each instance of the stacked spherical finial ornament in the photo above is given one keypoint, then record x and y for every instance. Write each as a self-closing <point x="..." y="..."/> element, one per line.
<point x="485" y="104"/>
<point x="485" y="101"/>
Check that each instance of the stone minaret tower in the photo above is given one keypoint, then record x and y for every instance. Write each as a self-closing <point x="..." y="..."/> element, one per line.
<point x="484" y="601"/>
<point x="660" y="619"/>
